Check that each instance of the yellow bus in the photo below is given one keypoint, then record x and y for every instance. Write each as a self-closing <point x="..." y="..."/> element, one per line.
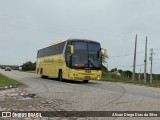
<point x="71" y="59"/>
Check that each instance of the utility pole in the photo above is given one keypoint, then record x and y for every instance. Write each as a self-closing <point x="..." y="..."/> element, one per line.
<point x="134" y="60"/>
<point x="145" y="63"/>
<point x="151" y="59"/>
<point x="139" y="74"/>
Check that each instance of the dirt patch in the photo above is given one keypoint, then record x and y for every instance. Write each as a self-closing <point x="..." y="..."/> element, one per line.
<point x="19" y="99"/>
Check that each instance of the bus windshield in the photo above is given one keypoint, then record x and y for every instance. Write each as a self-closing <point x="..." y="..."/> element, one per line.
<point x="87" y="55"/>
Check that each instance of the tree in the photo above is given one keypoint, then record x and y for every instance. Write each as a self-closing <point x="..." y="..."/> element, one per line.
<point x="113" y="70"/>
<point x="104" y="69"/>
<point x="104" y="59"/>
<point x="128" y="73"/>
<point x="28" y="66"/>
<point x="120" y="71"/>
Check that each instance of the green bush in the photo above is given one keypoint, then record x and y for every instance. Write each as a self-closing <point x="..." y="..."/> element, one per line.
<point x="29" y="66"/>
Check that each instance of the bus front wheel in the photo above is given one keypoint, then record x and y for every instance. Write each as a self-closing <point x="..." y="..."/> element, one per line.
<point x="85" y="81"/>
<point x="60" y="78"/>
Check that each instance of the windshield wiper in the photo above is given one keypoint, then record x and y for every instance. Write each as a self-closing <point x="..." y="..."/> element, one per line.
<point x="90" y="62"/>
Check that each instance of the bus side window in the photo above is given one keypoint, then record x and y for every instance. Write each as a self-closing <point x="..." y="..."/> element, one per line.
<point x="67" y="56"/>
<point x="68" y="59"/>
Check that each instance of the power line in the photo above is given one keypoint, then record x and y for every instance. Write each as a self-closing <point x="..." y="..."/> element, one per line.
<point x="155" y="63"/>
<point x="138" y="65"/>
<point x="156" y="49"/>
<point x="130" y="66"/>
<point x="128" y="54"/>
<point x="125" y="55"/>
<point x="156" y="59"/>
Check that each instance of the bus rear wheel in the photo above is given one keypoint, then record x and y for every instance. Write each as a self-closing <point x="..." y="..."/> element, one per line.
<point x="85" y="81"/>
<point x="60" y="78"/>
<point x="43" y="76"/>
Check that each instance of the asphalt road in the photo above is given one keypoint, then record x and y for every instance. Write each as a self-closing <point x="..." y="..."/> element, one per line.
<point x="95" y="95"/>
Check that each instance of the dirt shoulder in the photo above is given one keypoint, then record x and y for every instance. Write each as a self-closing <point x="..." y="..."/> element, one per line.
<point x="19" y="99"/>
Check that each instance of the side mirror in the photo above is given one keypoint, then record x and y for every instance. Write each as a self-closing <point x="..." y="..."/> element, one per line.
<point x="71" y="49"/>
<point x="105" y="52"/>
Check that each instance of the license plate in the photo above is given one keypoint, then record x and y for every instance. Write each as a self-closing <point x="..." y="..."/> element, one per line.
<point x="87" y="77"/>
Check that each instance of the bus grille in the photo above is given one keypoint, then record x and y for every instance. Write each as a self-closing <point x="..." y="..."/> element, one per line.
<point x="87" y="71"/>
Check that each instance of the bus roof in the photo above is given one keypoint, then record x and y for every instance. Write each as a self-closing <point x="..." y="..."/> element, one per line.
<point x="60" y="41"/>
<point x="71" y="39"/>
<point x="86" y="40"/>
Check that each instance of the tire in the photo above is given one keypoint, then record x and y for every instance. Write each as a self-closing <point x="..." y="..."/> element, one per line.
<point x="85" y="81"/>
<point x="43" y="76"/>
<point x="60" y="78"/>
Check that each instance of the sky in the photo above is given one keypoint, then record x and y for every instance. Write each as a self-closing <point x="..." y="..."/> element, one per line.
<point x="28" y="25"/>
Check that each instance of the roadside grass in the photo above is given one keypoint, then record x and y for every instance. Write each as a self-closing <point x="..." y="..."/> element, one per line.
<point x="122" y="79"/>
<point x="5" y="81"/>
